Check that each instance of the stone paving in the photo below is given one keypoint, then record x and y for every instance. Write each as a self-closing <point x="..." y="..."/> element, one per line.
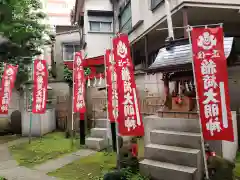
<point x="10" y="169"/>
<point x="54" y="164"/>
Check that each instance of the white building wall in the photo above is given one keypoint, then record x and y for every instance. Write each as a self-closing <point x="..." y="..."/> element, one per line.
<point x="148" y="16"/>
<point x="102" y="5"/>
<point x="63" y="38"/>
<point x="141" y="10"/>
<point x="225" y="2"/>
<point x="97" y="42"/>
<point x="152" y="85"/>
<point x="58" y="11"/>
<point x="58" y="14"/>
<point x="136" y="13"/>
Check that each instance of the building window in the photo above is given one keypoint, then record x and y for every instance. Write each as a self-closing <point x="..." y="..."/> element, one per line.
<point x="155" y="3"/>
<point x="125" y="19"/>
<point x="96" y="26"/>
<point x="69" y="50"/>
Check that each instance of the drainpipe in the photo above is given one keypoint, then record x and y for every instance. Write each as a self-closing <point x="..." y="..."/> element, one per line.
<point x="169" y="19"/>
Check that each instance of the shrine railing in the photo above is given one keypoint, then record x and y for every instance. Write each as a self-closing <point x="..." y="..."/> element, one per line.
<point x="148" y="105"/>
<point x="99" y="107"/>
<point x="151" y="104"/>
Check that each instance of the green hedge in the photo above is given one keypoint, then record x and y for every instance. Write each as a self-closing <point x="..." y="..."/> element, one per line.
<point x="224" y="168"/>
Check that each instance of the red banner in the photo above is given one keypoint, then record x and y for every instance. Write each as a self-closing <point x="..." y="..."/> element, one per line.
<point x="129" y="117"/>
<point x="78" y="84"/>
<point x="8" y="80"/>
<point x="40" y="82"/>
<point x="212" y="83"/>
<point x="111" y="79"/>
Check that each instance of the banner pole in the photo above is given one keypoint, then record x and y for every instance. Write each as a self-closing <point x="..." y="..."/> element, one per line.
<point x="72" y="101"/>
<point x="189" y="29"/>
<point x="117" y="144"/>
<point x="30" y="104"/>
<point x="116" y="123"/>
<point x="40" y="118"/>
<point x="106" y="85"/>
<point x="82" y="123"/>
<point x="112" y="124"/>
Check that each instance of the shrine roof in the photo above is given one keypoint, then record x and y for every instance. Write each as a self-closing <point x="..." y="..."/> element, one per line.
<point x="181" y="55"/>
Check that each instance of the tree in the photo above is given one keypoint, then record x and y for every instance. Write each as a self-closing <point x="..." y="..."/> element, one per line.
<point x="24" y="32"/>
<point x="68" y="79"/>
<point x="67" y="74"/>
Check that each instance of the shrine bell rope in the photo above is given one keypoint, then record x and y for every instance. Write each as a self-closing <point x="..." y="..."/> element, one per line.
<point x="189" y="29"/>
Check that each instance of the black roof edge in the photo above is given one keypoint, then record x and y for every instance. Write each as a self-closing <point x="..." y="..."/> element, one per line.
<point x="173" y="68"/>
<point x="100" y="13"/>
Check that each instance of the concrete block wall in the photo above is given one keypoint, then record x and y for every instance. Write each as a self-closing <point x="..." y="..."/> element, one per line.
<point x="41" y="123"/>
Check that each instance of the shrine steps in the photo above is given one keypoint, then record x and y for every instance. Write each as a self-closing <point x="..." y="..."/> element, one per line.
<point x="173" y="149"/>
<point x="175" y="138"/>
<point x="98" y="139"/>
<point x="96" y="143"/>
<point x="167" y="171"/>
<point x="101" y="123"/>
<point x="99" y="132"/>
<point x="172" y="154"/>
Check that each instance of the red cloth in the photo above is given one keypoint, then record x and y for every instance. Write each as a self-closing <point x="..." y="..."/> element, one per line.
<point x="82" y="116"/>
<point x="134" y="150"/>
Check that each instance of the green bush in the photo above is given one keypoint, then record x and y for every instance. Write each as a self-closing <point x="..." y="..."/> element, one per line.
<point x="224" y="168"/>
<point x="123" y="174"/>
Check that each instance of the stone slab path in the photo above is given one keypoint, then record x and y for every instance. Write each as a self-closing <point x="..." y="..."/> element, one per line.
<point x="23" y="173"/>
<point x="54" y="164"/>
<point x="10" y="169"/>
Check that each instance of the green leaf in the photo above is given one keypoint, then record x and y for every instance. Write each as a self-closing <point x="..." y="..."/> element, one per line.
<point x="25" y="34"/>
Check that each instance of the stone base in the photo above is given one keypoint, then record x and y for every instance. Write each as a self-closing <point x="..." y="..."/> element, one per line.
<point x="96" y="143"/>
<point x="178" y="114"/>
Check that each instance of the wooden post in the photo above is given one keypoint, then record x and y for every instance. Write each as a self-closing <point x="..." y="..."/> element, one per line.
<point x="169" y="19"/>
<point x="166" y="88"/>
<point x="82" y="128"/>
<point x="146" y="51"/>
<point x="132" y="54"/>
<point x="114" y="136"/>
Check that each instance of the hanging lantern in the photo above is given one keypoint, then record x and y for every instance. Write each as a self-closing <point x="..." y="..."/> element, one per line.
<point x="100" y="80"/>
<point x="88" y="82"/>
<point x="95" y="81"/>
